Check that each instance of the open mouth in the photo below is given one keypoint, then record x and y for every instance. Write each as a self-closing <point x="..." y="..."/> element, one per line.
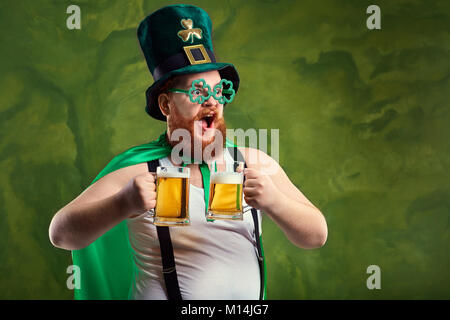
<point x="207" y="121"/>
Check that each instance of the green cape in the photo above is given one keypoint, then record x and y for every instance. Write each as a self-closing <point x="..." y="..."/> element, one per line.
<point x="107" y="267"/>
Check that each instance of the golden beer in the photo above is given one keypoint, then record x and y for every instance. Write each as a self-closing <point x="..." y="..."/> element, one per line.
<point x="225" y="196"/>
<point x="172" y="196"/>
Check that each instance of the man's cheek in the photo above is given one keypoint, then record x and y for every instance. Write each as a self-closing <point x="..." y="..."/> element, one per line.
<point x="184" y="112"/>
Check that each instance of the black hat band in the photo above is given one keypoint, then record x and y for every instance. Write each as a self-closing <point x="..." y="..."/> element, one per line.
<point x="181" y="60"/>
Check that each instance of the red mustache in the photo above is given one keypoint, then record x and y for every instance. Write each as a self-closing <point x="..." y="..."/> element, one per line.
<point x="201" y="115"/>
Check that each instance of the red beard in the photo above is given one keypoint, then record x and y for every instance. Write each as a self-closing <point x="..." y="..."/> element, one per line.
<point x="176" y="121"/>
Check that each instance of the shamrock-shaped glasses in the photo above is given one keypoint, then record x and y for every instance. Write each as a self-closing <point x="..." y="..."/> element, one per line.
<point x="200" y="91"/>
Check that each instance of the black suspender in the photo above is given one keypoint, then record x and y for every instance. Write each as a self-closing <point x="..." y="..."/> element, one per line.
<point x="165" y="243"/>
<point x="260" y="256"/>
<point x="237" y="156"/>
<point x="168" y="263"/>
<point x="168" y="260"/>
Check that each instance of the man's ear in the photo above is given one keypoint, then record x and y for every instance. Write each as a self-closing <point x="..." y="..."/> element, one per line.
<point x="163" y="103"/>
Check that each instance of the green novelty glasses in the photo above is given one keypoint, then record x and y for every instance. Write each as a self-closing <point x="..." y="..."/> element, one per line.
<point x="200" y="91"/>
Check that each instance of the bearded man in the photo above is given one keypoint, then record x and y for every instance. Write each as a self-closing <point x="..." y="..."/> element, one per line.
<point x="120" y="252"/>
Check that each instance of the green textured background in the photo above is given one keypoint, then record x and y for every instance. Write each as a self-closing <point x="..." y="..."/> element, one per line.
<point x="364" y="131"/>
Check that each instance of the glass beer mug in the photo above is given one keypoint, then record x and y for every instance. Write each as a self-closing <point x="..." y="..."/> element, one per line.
<point x="225" y="191"/>
<point x="172" y="196"/>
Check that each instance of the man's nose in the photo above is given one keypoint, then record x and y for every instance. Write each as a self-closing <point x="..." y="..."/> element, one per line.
<point x="209" y="102"/>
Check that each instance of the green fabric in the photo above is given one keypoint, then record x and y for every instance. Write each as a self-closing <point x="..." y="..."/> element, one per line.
<point x="264" y="268"/>
<point x="107" y="267"/>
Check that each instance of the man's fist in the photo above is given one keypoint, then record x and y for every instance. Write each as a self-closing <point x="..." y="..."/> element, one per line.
<point x="139" y="194"/>
<point x="259" y="189"/>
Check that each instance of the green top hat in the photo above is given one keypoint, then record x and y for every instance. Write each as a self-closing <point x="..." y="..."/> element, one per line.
<point x="176" y="40"/>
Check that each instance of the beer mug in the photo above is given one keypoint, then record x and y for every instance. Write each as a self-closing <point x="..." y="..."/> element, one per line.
<point x="172" y="196"/>
<point x="225" y="191"/>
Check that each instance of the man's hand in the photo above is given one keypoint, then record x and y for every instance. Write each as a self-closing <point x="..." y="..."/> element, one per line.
<point x="139" y="194"/>
<point x="259" y="190"/>
<point x="276" y="196"/>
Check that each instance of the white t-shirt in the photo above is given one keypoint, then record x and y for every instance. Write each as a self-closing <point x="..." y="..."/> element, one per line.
<point x="214" y="260"/>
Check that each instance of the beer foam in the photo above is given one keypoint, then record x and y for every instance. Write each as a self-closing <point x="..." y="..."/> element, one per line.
<point x="172" y="173"/>
<point x="227" y="178"/>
